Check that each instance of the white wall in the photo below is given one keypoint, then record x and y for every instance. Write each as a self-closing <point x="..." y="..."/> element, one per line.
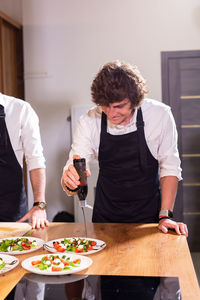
<point x="65" y="43"/>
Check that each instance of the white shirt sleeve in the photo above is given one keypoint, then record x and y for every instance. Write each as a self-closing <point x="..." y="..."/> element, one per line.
<point x="24" y="133"/>
<point x="31" y="140"/>
<point x="168" y="155"/>
<point x="83" y="142"/>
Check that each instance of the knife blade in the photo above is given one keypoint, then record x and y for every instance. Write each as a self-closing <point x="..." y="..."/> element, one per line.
<point x="84" y="221"/>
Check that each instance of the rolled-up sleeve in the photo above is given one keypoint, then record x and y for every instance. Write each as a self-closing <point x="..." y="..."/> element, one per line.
<point x="31" y="140"/>
<point x="168" y="155"/>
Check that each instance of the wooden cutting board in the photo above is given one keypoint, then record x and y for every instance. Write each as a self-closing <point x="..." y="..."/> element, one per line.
<point x="8" y="229"/>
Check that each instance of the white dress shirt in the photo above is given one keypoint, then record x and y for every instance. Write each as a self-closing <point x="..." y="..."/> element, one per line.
<point x="160" y="133"/>
<point x="23" y="129"/>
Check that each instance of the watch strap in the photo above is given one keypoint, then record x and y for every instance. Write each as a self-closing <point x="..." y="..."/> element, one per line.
<point x="162" y="218"/>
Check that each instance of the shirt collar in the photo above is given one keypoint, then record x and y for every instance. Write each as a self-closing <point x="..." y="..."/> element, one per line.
<point x="1" y="99"/>
<point x="131" y="123"/>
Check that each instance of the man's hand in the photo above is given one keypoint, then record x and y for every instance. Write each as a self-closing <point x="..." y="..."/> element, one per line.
<point x="70" y="178"/>
<point x="180" y="228"/>
<point x="37" y="216"/>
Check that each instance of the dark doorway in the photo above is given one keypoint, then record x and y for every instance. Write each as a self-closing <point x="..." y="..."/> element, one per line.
<point x="181" y="90"/>
<point x="11" y="57"/>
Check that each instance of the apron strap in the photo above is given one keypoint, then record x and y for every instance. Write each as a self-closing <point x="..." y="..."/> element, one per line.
<point x="103" y="122"/>
<point x="141" y="139"/>
<point x="3" y="135"/>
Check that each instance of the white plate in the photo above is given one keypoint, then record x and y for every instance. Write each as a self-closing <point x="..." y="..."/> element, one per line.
<point x="54" y="279"/>
<point x="8" y="229"/>
<point x="99" y="244"/>
<point x="84" y="264"/>
<point x="8" y="259"/>
<point x="38" y="241"/>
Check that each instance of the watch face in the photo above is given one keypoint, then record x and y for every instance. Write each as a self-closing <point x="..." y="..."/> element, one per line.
<point x="166" y="213"/>
<point x="42" y="205"/>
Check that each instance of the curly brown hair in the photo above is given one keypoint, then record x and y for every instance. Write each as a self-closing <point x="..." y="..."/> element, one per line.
<point x="117" y="81"/>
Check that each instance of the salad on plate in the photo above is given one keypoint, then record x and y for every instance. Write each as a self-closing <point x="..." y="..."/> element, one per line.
<point x="20" y="245"/>
<point x="78" y="245"/>
<point x="56" y="264"/>
<point x="2" y="263"/>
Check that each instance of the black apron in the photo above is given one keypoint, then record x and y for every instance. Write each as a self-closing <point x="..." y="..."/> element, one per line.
<point x="128" y="191"/>
<point x="13" y="202"/>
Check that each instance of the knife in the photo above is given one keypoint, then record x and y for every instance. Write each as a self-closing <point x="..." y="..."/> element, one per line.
<point x="84" y="221"/>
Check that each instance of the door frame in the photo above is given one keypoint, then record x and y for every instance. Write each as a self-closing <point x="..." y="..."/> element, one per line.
<point x="170" y="60"/>
<point x="165" y="58"/>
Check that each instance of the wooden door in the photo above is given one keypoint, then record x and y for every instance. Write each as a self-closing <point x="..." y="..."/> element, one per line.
<point x="11" y="57"/>
<point x="11" y="62"/>
<point x="181" y="90"/>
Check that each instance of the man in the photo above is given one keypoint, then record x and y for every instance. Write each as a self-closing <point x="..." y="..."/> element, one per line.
<point x="135" y="142"/>
<point x="19" y="136"/>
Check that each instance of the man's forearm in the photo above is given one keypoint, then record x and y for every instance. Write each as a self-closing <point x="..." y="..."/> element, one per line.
<point x="169" y="185"/>
<point x="38" y="182"/>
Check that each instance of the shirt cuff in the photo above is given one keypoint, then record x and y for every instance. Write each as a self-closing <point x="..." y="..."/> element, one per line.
<point x="36" y="164"/>
<point x="165" y="173"/>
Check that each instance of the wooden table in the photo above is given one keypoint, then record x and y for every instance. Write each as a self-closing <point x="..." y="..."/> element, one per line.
<point x="148" y="251"/>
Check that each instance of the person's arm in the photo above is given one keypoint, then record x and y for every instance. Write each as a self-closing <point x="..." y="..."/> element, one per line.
<point x="170" y="172"/>
<point x="35" y="214"/>
<point x="32" y="146"/>
<point x="85" y="145"/>
<point x="169" y="186"/>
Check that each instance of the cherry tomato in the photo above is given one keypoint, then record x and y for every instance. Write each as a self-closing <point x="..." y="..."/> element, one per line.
<point x="79" y="250"/>
<point x="25" y="246"/>
<point x="58" y="247"/>
<point x="76" y="261"/>
<point x="36" y="262"/>
<point x="55" y="269"/>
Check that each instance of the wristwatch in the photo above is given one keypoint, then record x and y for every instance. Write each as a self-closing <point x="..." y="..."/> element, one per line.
<point x="41" y="205"/>
<point x="166" y="213"/>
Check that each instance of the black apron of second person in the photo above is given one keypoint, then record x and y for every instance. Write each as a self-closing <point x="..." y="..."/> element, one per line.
<point x="128" y="191"/>
<point x="128" y="188"/>
<point x="13" y="201"/>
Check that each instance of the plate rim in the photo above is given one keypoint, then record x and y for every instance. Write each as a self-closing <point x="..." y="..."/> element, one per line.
<point x="15" y="223"/>
<point x="12" y="266"/>
<point x="16" y="226"/>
